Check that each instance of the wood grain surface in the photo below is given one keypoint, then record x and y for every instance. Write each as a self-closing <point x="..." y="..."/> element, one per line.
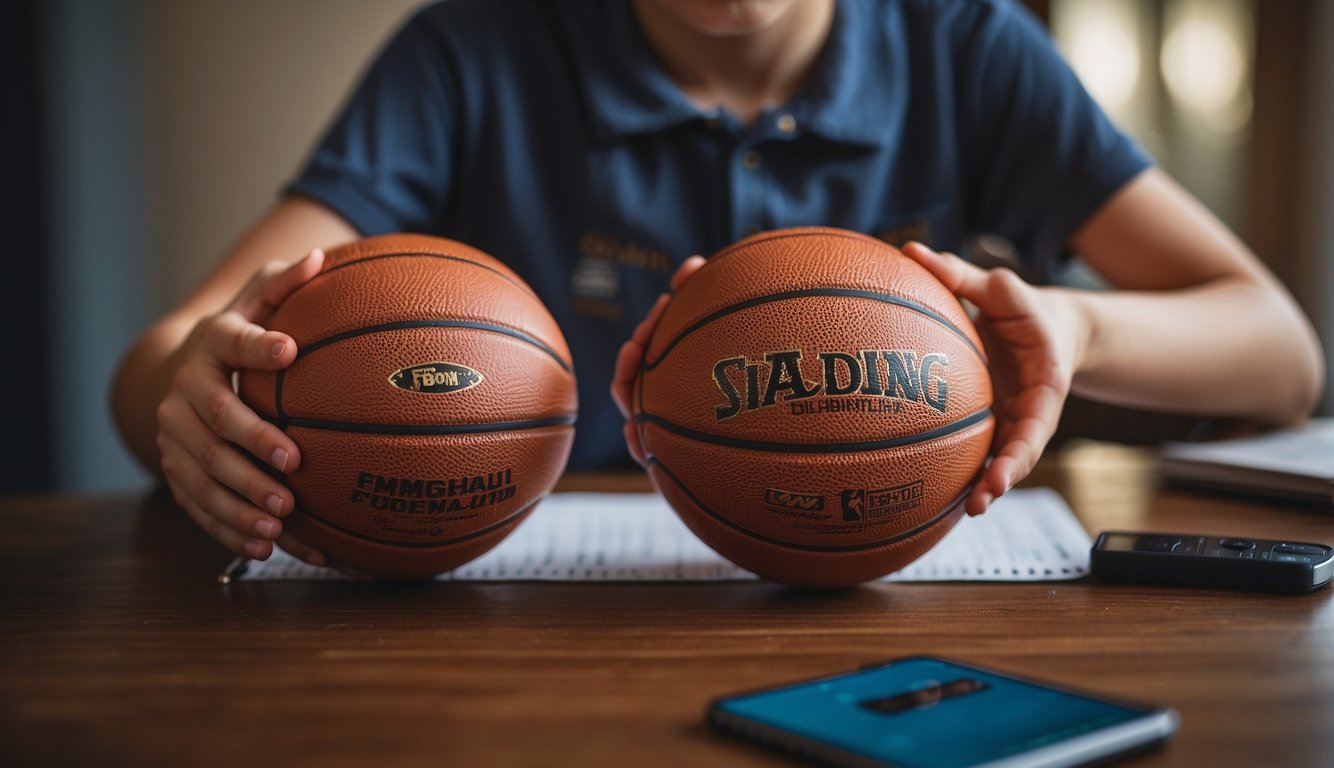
<point x="119" y="647"/>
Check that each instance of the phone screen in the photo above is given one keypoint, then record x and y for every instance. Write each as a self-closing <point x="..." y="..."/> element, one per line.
<point x="930" y="712"/>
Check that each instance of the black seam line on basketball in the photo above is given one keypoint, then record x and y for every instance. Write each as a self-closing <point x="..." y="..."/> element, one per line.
<point x="421" y="544"/>
<point x="943" y="514"/>
<point x="772" y="447"/>
<point x="409" y="324"/>
<point x="281" y="416"/>
<point x="887" y="298"/>
<point x="430" y="429"/>
<point x="428" y="254"/>
<point x="283" y="422"/>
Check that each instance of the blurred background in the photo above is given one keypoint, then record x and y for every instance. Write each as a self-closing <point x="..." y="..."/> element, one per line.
<point x="145" y="135"/>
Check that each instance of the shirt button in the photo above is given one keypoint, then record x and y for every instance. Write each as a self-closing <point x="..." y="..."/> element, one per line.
<point x="787" y="123"/>
<point x="751" y="160"/>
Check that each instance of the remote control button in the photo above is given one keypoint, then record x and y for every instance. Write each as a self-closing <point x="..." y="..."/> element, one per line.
<point x="1238" y="544"/>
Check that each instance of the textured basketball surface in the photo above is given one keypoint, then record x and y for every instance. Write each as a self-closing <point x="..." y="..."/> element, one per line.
<point x="432" y="398"/>
<point x="814" y="405"/>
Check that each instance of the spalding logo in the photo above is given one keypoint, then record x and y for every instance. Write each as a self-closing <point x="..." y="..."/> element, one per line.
<point x="435" y="378"/>
<point x="901" y="377"/>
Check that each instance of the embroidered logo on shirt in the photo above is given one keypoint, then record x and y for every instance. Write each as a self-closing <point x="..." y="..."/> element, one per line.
<point x="595" y="285"/>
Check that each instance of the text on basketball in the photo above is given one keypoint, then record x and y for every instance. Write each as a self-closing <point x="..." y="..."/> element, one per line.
<point x="898" y="374"/>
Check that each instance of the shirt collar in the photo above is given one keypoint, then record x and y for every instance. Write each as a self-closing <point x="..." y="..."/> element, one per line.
<point x="627" y="92"/>
<point x="848" y="98"/>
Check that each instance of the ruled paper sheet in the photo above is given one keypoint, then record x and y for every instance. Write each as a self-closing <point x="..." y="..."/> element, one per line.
<point x="1028" y="535"/>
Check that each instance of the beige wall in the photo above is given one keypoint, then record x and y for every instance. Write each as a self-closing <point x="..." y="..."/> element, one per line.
<point x="237" y="92"/>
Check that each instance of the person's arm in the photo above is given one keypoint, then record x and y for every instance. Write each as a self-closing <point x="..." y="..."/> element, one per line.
<point x="1197" y="325"/>
<point x="172" y="396"/>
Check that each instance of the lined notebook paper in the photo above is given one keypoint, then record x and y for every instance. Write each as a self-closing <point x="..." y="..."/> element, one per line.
<point x="1028" y="535"/>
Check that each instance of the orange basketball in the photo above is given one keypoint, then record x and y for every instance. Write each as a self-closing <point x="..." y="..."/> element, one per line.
<point x="433" y="400"/>
<point x="815" y="406"/>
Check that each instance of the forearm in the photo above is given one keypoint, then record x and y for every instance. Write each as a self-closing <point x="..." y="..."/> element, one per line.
<point x="1229" y="347"/>
<point x="140" y="384"/>
<point x="145" y="375"/>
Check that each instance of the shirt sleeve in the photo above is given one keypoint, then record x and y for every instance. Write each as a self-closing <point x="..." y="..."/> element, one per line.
<point x="385" y="163"/>
<point x="1041" y="156"/>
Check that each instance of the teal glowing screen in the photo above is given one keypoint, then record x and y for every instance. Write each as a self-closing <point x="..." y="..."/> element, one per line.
<point x="928" y="713"/>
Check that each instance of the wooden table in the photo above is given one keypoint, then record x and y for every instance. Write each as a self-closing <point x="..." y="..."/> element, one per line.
<point x="119" y="647"/>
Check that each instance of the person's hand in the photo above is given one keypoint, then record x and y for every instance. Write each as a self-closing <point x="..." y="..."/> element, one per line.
<point x="205" y="431"/>
<point x="631" y="358"/>
<point x="1034" y="339"/>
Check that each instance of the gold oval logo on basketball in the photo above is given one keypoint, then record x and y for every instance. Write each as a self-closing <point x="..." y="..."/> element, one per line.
<point x="435" y="378"/>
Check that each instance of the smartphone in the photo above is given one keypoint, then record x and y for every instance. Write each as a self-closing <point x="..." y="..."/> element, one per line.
<point x="1228" y="562"/>
<point x="928" y="712"/>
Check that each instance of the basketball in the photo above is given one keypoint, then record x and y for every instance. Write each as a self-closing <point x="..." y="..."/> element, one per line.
<point x="432" y="398"/>
<point x="815" y="406"/>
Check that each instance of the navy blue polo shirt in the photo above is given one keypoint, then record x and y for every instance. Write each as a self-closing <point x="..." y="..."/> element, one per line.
<point x="546" y="134"/>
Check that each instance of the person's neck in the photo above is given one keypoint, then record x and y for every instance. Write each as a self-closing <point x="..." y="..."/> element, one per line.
<point x="743" y="73"/>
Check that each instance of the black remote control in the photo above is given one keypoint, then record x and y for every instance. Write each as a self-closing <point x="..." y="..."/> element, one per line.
<point x="1225" y="562"/>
